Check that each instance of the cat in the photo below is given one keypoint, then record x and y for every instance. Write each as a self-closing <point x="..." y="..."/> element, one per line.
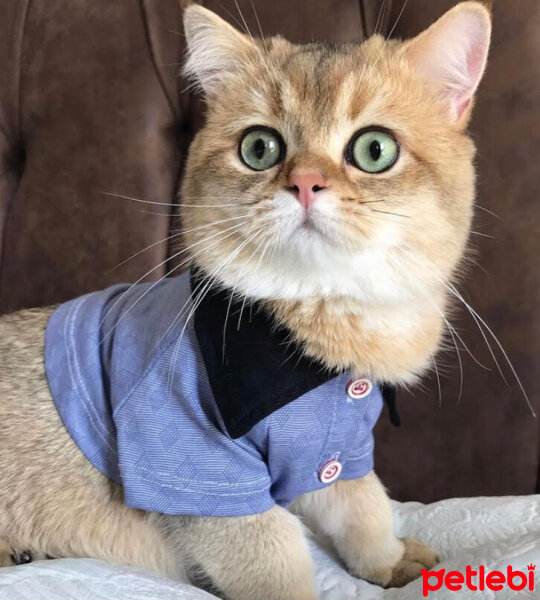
<point x="331" y="188"/>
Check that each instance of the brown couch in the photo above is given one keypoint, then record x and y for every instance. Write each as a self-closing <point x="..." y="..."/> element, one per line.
<point x="91" y="102"/>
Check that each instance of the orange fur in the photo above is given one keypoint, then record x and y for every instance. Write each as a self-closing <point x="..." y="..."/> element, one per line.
<point x="317" y="96"/>
<point x="363" y="288"/>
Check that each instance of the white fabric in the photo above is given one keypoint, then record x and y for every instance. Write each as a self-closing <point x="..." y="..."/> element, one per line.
<point x="493" y="532"/>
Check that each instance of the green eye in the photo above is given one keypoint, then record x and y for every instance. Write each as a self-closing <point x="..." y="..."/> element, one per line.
<point x="261" y="148"/>
<point x="373" y="150"/>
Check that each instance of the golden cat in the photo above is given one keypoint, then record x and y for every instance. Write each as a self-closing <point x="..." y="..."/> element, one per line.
<point x="334" y="187"/>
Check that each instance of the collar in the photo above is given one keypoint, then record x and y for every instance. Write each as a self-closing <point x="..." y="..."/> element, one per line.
<point x="254" y="367"/>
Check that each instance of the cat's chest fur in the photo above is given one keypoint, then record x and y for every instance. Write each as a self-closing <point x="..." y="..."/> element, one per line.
<point x="392" y="343"/>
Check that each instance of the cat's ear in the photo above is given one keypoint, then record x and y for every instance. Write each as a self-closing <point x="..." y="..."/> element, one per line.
<point x="452" y="55"/>
<point x="215" y="48"/>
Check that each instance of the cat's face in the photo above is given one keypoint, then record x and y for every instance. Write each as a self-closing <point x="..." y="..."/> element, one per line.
<point x="333" y="171"/>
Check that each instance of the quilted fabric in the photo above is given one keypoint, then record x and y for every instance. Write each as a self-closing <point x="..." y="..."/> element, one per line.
<point x="125" y="370"/>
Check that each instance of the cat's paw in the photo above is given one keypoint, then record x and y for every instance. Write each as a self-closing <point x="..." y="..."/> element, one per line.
<point x="21" y="557"/>
<point x="417" y="556"/>
<point x="10" y="556"/>
<point x="397" y="564"/>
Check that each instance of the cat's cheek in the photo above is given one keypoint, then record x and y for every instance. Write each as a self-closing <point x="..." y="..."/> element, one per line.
<point x="387" y="236"/>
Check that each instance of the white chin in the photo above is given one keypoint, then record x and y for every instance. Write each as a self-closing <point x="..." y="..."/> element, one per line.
<point x="310" y="261"/>
<point x="311" y="268"/>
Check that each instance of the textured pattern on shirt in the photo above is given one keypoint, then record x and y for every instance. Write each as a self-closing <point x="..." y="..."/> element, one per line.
<point x="130" y="384"/>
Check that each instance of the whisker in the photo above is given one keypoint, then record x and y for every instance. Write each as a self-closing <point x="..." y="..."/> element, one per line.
<point x="137" y="199"/>
<point x="391" y="32"/>
<point x="478" y="324"/>
<point x="397" y="20"/>
<point x="454" y="334"/>
<point x="490" y="212"/>
<point x="180" y="204"/>
<point x="366" y="201"/>
<point x="227" y="318"/>
<point x="257" y="266"/>
<point x="503" y="351"/>
<point x="234" y="227"/>
<point x="481" y="324"/>
<point x="492" y="237"/>
<point x="264" y="60"/>
<point x="436" y="369"/>
<point x="155" y="214"/>
<point x="243" y="20"/>
<point x="460" y="362"/>
<point x="230" y="13"/>
<point x="168" y="238"/>
<point x="423" y="291"/>
<point x="230" y="303"/>
<point x="175" y="235"/>
<point x="477" y="264"/>
<point x="196" y="304"/>
<point x="380" y="17"/>
<point x="190" y="259"/>
<point x="244" y="205"/>
<point x="391" y="213"/>
<point x="259" y="25"/>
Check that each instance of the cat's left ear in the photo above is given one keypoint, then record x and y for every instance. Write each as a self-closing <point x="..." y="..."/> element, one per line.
<point x="215" y="49"/>
<point x="452" y="54"/>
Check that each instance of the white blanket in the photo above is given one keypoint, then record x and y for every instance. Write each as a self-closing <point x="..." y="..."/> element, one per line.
<point x="493" y="532"/>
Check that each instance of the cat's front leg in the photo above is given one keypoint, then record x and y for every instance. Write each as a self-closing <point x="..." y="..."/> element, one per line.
<point x="263" y="556"/>
<point x="357" y="516"/>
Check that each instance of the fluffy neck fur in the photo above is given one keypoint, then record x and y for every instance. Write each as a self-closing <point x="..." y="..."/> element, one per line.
<point x="388" y="343"/>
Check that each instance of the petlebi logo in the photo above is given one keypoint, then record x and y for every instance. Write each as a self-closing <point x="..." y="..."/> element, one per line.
<point x="478" y="580"/>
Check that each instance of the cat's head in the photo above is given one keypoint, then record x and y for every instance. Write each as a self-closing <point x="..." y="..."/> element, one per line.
<point x="327" y="170"/>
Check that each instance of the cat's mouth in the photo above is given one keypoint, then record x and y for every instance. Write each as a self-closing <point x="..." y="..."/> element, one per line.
<point x="310" y="226"/>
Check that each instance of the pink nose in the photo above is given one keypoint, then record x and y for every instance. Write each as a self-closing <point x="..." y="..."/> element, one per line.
<point x="305" y="186"/>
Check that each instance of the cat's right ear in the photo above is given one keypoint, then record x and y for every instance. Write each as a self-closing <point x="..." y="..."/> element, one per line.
<point x="215" y="48"/>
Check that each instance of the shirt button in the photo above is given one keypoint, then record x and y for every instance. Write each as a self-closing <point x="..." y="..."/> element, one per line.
<point x="330" y="471"/>
<point x="359" y="388"/>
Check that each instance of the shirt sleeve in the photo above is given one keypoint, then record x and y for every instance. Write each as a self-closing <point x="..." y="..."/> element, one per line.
<point x="175" y="458"/>
<point x="360" y="462"/>
<point x="181" y="469"/>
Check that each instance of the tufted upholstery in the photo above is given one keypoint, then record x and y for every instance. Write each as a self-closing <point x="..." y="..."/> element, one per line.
<point x="91" y="102"/>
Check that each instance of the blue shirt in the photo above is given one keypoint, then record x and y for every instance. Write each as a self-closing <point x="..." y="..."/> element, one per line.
<point x="197" y="419"/>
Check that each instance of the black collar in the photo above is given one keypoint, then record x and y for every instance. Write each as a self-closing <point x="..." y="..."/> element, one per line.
<point x="253" y="366"/>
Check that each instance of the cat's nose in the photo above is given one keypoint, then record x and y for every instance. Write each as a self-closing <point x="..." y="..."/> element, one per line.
<point x="305" y="186"/>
